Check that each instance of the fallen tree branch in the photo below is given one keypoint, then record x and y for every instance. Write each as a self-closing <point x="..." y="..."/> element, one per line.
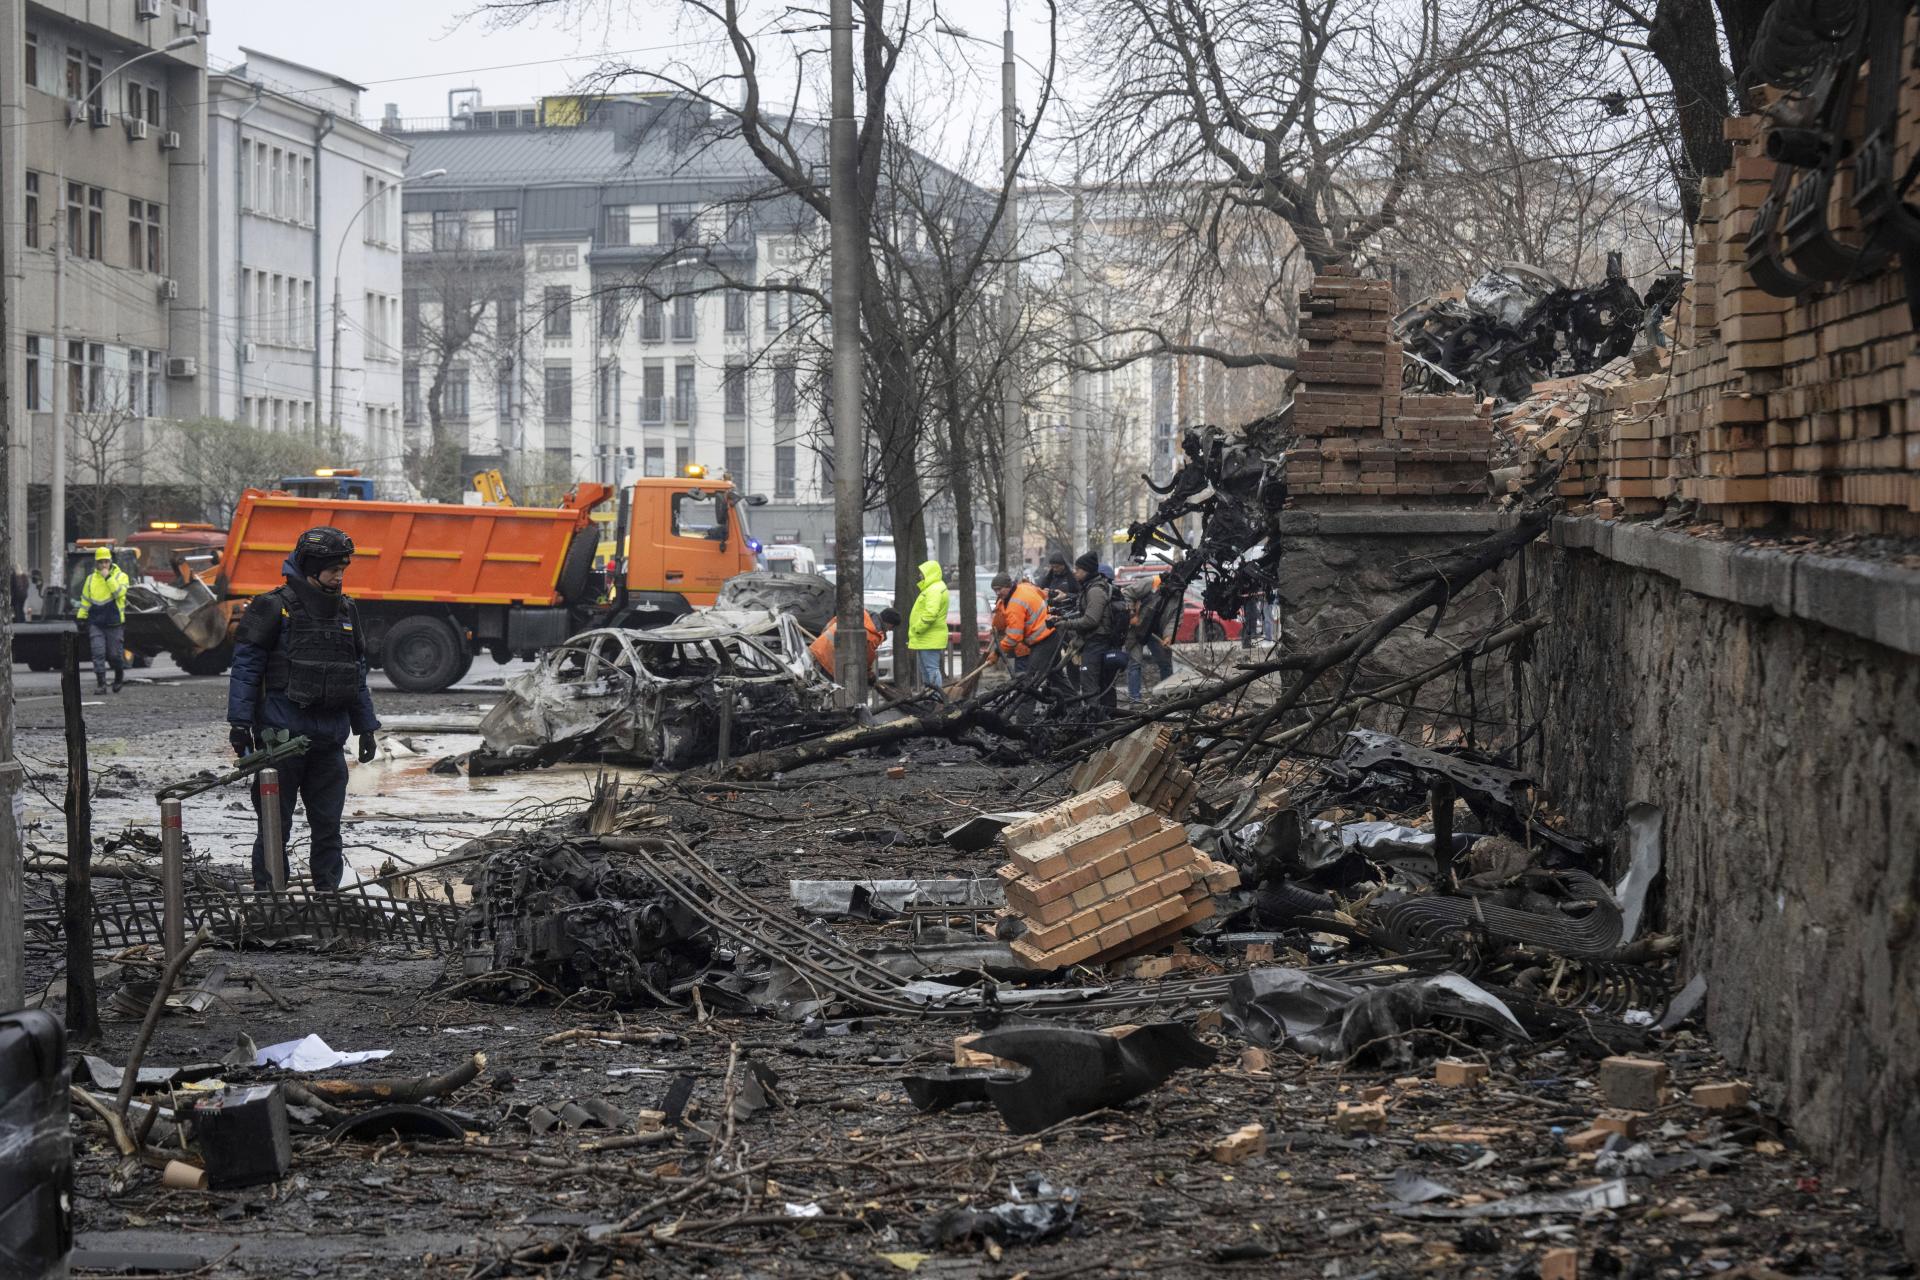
<point x="400" y="1089"/>
<point x="947" y="722"/>
<point x="168" y="977"/>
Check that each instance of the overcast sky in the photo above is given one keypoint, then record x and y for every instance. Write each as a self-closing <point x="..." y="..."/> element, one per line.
<point x="412" y="52"/>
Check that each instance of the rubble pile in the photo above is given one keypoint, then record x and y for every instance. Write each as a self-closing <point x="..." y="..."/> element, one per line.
<point x="1147" y="765"/>
<point x="1361" y="438"/>
<point x="1590" y="437"/>
<point x="1097" y="877"/>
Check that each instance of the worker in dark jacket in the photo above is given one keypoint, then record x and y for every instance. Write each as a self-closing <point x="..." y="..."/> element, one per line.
<point x="300" y="670"/>
<point x="1100" y="627"/>
<point x="1060" y="584"/>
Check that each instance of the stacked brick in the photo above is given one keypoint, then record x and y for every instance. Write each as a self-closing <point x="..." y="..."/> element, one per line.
<point x="1145" y="763"/>
<point x="1602" y="434"/>
<point x="1361" y="440"/>
<point x="1803" y="411"/>
<point x="1099" y="877"/>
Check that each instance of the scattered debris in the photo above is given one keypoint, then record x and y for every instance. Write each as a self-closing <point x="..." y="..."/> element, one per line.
<point x="242" y="1135"/>
<point x="1072" y="1071"/>
<point x="1242" y="1144"/>
<point x="1035" y="1210"/>
<point x="1146" y="764"/>
<point x="311" y="1053"/>
<point x="1633" y="1084"/>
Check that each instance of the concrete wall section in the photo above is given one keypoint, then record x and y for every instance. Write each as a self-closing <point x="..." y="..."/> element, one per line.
<point x="1770" y="704"/>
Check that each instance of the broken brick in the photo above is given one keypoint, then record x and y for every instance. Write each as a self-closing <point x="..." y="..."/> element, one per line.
<point x="1457" y="1074"/>
<point x="1722" y="1095"/>
<point x="1360" y="1117"/>
<point x="1633" y="1084"/>
<point x="1560" y="1264"/>
<point x="1255" y="1060"/>
<point x="1587" y="1139"/>
<point x="1244" y="1142"/>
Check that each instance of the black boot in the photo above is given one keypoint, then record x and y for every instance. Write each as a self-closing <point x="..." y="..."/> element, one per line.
<point x="119" y="678"/>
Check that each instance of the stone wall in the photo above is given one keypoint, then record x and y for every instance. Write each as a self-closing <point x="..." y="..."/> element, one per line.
<point x="1770" y="705"/>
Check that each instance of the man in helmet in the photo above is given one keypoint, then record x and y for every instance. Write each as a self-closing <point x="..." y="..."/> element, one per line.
<point x="300" y="669"/>
<point x="102" y="612"/>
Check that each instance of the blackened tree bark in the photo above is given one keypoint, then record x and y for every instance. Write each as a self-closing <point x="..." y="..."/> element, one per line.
<point x="1685" y="40"/>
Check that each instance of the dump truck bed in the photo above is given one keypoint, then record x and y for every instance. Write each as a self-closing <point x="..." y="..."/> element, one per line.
<point x="427" y="551"/>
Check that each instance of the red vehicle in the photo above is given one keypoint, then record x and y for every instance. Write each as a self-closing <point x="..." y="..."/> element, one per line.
<point x="1195" y="622"/>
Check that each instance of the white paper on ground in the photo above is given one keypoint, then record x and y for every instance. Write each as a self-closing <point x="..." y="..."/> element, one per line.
<point x="313" y="1054"/>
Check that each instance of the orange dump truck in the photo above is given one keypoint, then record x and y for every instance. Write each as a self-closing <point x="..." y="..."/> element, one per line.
<point x="437" y="583"/>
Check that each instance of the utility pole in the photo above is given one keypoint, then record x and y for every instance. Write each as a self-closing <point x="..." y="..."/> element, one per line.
<point x="849" y="469"/>
<point x="13" y="952"/>
<point x="56" y="536"/>
<point x="1079" y="504"/>
<point x="1013" y="458"/>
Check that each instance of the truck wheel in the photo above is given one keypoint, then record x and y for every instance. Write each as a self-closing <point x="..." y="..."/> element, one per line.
<point x="422" y="655"/>
<point x="211" y="663"/>
<point x="466" y="665"/>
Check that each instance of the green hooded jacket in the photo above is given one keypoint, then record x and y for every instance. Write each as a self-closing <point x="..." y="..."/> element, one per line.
<point x="927" y="625"/>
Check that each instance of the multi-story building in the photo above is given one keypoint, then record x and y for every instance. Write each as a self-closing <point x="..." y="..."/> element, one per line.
<point x="592" y="293"/>
<point x="104" y="189"/>
<point x="303" y="231"/>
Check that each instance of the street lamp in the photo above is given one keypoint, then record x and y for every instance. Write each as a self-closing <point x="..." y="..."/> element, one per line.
<point x="333" y="415"/>
<point x="57" y="503"/>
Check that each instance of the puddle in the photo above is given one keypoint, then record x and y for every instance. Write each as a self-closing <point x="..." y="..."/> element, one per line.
<point x="396" y="806"/>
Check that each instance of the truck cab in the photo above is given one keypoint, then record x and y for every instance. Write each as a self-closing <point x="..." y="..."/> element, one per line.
<point x="686" y="535"/>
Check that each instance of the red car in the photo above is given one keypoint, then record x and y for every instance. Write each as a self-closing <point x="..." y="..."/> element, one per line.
<point x="1189" y="627"/>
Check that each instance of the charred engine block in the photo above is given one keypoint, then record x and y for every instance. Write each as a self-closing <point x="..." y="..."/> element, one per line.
<point x="1238" y="490"/>
<point x="574" y="917"/>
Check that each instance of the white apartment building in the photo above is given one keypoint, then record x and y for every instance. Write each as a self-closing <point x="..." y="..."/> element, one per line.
<point x="304" y="207"/>
<point x="540" y="279"/>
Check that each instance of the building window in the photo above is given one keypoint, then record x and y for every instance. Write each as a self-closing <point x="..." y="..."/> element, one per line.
<point x="96" y="224"/>
<point x="503" y="381"/>
<point x="735" y="384"/>
<point x="653" y="393"/>
<point x="559" y="305"/>
<point x="739" y="225"/>
<point x="449" y="231"/>
<point x="618" y="229"/>
<point x="153" y="108"/>
<point x="559" y="398"/>
<point x="506" y="317"/>
<point x="306" y="190"/>
<point x="506" y="228"/>
<point x="136" y="102"/>
<point x="143" y="236"/>
<point x="33" y="210"/>
<point x="652" y="326"/>
<point x="38" y="383"/>
<point x="679" y="223"/>
<point x="736" y="311"/>
<point x="454" y="396"/>
<point x="783" y="459"/>
<point x="684" y="328"/>
<point x="786" y="392"/>
<point x="610" y="302"/>
<point x="410" y="395"/>
<point x="656" y="460"/>
<point x="76" y="217"/>
<point x="737" y="463"/>
<point x="410" y="318"/>
<point x="97" y="399"/>
<point x="32" y="69"/>
<point x="76" y="77"/>
<point x="682" y="456"/>
<point x="96" y="72"/>
<point x="275" y="193"/>
<point x="683" y="393"/>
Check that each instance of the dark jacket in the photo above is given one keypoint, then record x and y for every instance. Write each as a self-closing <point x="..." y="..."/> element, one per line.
<point x="1094" y="622"/>
<point x="262" y="636"/>
<point x="1061" y="580"/>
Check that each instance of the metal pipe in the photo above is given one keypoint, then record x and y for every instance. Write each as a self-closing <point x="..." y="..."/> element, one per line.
<point x="173" y="911"/>
<point x="272" y="838"/>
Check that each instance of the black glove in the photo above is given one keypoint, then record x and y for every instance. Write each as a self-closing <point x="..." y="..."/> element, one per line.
<point x="366" y="748"/>
<point x="80" y="625"/>
<point x="242" y="739"/>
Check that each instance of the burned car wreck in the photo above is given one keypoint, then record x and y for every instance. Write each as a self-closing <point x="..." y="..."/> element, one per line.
<point x="700" y="688"/>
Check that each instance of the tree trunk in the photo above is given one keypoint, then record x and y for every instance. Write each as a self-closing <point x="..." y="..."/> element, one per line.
<point x="1685" y="40"/>
<point x="83" y="1002"/>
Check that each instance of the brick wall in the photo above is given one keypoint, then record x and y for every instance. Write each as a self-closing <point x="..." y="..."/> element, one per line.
<point x="1363" y="443"/>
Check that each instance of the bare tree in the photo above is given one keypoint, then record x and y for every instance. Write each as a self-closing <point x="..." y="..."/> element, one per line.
<point x="464" y="310"/>
<point x="104" y="444"/>
<point x="215" y="461"/>
<point x="791" y="149"/>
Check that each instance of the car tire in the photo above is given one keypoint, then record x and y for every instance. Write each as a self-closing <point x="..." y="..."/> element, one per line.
<point x="422" y="654"/>
<point x="211" y="663"/>
<point x="1212" y="632"/>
